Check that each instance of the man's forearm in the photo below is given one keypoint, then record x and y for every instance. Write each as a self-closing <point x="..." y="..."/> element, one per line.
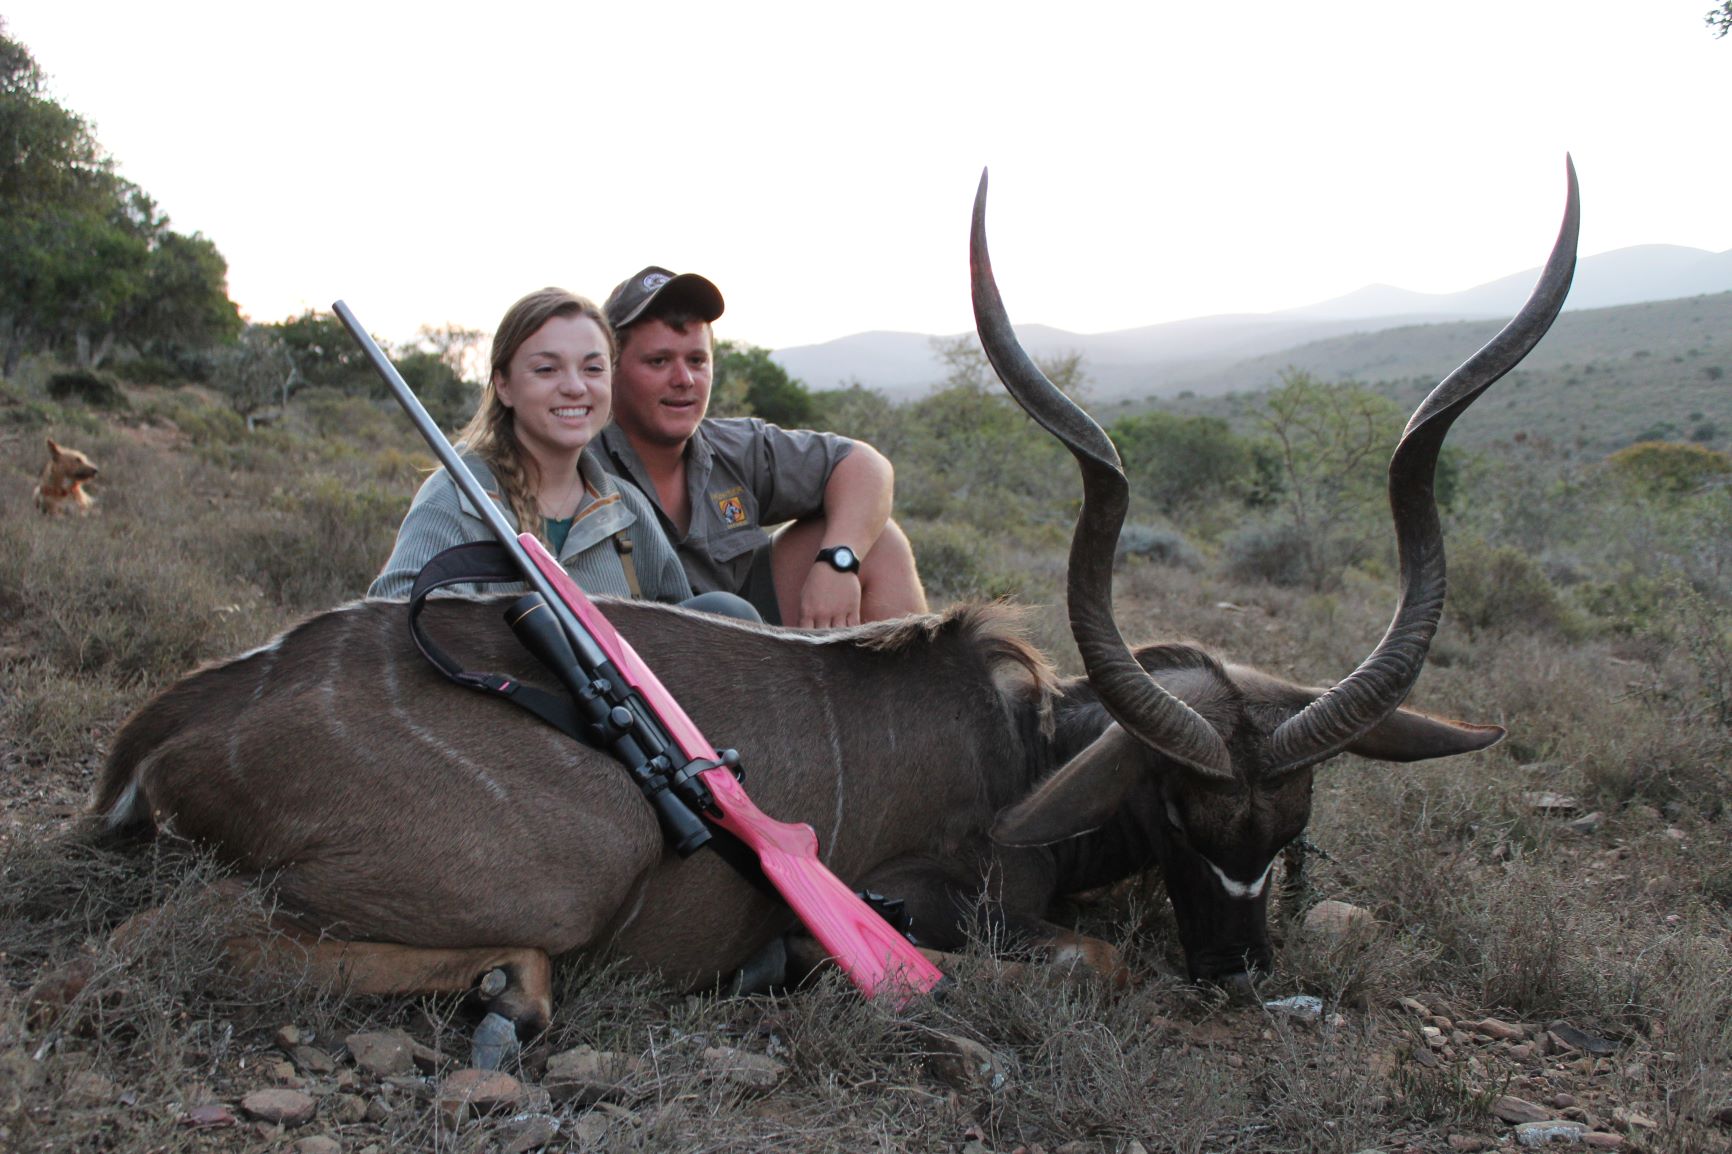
<point x="857" y="498"/>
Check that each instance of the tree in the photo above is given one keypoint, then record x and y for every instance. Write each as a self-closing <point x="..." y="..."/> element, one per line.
<point x="1332" y="442"/>
<point x="255" y="372"/>
<point x="1181" y="462"/>
<point x="765" y="388"/>
<point x="1720" y="19"/>
<point x="90" y="261"/>
<point x="966" y="367"/>
<point x="326" y="355"/>
<point x="1666" y="469"/>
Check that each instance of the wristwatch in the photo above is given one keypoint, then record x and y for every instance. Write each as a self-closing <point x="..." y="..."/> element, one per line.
<point x="841" y="558"/>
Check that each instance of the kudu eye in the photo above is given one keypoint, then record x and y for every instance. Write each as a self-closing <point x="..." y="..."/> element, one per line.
<point x="1174" y="817"/>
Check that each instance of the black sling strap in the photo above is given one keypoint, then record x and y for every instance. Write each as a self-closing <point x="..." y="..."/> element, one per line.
<point x="487" y="563"/>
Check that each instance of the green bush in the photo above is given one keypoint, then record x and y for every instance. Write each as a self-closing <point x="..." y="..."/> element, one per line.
<point x="316" y="546"/>
<point x="1665" y="469"/>
<point x="153" y="371"/>
<point x="959" y="563"/>
<point x="1495" y="589"/>
<point x="1160" y="545"/>
<point x="97" y="390"/>
<point x="1270" y="551"/>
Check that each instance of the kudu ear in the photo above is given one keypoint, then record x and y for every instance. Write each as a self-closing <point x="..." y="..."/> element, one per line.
<point x="1405" y="735"/>
<point x="1081" y="795"/>
<point x="1408" y="735"/>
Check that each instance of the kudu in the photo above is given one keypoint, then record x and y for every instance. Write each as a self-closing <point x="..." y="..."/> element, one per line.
<point x="420" y="835"/>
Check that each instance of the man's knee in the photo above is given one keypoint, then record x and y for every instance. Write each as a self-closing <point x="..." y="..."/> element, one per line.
<point x="889" y="580"/>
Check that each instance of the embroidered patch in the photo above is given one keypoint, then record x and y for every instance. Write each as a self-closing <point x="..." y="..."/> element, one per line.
<point x="733" y="511"/>
<point x="655" y="280"/>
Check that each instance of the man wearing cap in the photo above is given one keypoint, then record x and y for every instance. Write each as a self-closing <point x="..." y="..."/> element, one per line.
<point x="720" y="485"/>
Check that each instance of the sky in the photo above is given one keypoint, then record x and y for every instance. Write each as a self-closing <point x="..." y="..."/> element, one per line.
<point x="431" y="162"/>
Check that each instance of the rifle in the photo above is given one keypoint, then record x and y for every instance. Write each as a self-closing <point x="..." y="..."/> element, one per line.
<point x="684" y="776"/>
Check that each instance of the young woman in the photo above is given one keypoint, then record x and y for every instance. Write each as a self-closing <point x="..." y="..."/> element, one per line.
<point x="549" y="394"/>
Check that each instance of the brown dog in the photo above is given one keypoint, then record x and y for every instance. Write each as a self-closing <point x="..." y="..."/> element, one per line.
<point x="61" y="489"/>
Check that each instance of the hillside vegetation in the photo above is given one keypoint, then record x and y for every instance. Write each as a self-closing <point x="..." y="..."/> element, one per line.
<point x="1540" y="935"/>
<point x="1602" y="379"/>
<point x="1550" y="918"/>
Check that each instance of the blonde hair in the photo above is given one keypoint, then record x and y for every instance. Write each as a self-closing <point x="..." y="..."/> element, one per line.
<point x="491" y="433"/>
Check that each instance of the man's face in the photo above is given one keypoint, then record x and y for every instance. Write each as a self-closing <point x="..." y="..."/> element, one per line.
<point x="662" y="386"/>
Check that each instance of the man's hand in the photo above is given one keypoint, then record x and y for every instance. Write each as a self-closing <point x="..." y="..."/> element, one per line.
<point x="829" y="598"/>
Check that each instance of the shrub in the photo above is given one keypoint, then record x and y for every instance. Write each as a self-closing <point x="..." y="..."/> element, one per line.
<point x="1497" y="589"/>
<point x="97" y="390"/>
<point x="153" y="371"/>
<point x="959" y="563"/>
<point x="318" y="546"/>
<point x="1159" y="545"/>
<point x="1268" y="551"/>
<point x="1664" y="469"/>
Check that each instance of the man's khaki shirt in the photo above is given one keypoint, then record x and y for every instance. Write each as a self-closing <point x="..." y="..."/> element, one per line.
<point x="744" y="477"/>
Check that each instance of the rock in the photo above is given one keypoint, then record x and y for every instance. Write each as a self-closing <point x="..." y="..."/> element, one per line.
<point x="585" y="1076"/>
<point x="1631" y="1119"/>
<point x="383" y="1053"/>
<point x="1546" y="1133"/>
<point x="1566" y="1036"/>
<point x="531" y="1133"/>
<point x="1548" y="802"/>
<point x="590" y="1130"/>
<point x="311" y="1060"/>
<point x="1723" y="1113"/>
<point x="378" y="1111"/>
<point x="426" y="1059"/>
<point x="347" y="1109"/>
<point x="751" y="1071"/>
<point x="1413" y="1006"/>
<point x="1470" y="1143"/>
<point x="1302" y="1006"/>
<point x="1602" y="1140"/>
<point x="287" y="1037"/>
<point x="1515" y="1110"/>
<point x="468" y="1093"/>
<point x="1587" y="823"/>
<point x="282" y="1107"/>
<point x="1498" y="1031"/>
<point x="964" y="1064"/>
<point x="318" y="1144"/>
<point x="210" y="1116"/>
<point x="283" y="1074"/>
<point x="1336" y="921"/>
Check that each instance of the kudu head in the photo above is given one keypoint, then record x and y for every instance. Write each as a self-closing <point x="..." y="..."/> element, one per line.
<point x="1219" y="758"/>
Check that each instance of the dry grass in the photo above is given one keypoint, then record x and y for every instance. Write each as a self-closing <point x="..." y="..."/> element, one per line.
<point x="1485" y="904"/>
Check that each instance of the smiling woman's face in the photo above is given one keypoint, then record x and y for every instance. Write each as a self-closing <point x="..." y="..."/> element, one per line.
<point x="559" y="387"/>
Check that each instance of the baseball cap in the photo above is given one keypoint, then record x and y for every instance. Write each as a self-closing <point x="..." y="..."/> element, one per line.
<point x="632" y="297"/>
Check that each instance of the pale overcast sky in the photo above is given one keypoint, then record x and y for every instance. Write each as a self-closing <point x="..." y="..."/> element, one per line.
<point x="430" y="162"/>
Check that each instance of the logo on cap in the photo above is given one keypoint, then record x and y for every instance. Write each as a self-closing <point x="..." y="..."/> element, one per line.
<point x="654" y="281"/>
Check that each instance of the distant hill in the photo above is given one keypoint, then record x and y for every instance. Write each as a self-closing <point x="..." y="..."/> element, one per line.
<point x="1213" y="354"/>
<point x="1601" y="379"/>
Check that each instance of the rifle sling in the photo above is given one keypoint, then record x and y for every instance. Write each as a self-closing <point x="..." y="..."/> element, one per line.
<point x="487" y="563"/>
